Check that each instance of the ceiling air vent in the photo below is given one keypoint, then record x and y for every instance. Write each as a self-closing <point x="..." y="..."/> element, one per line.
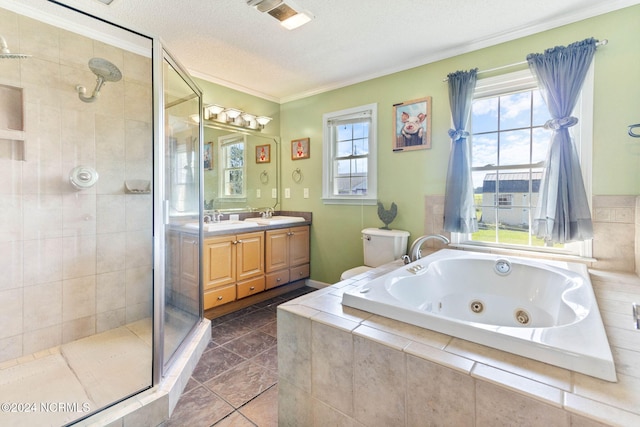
<point x="289" y="15"/>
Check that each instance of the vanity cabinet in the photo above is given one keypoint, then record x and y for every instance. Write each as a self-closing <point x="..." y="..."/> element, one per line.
<point x="286" y="255"/>
<point x="233" y="267"/>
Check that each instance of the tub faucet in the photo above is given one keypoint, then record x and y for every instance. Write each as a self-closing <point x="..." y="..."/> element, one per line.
<point x="415" y="250"/>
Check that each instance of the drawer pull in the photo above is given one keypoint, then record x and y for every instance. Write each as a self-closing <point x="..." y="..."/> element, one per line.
<point x="278" y="279"/>
<point x="220" y="298"/>
<point x="253" y="288"/>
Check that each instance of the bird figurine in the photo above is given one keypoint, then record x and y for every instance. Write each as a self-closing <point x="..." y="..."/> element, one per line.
<point x="387" y="216"/>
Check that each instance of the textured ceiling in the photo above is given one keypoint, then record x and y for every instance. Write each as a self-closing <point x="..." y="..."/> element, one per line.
<point x="228" y="42"/>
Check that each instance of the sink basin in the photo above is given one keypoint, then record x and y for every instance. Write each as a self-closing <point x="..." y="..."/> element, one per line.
<point x="222" y="225"/>
<point x="276" y="220"/>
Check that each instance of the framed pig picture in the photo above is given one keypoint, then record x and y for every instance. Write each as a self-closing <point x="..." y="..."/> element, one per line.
<point x="300" y="149"/>
<point x="263" y="153"/>
<point x="412" y="125"/>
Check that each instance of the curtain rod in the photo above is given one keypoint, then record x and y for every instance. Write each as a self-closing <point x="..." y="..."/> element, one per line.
<point x="598" y="44"/>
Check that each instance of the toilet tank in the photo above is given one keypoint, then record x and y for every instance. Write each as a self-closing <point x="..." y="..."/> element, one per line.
<point x="383" y="246"/>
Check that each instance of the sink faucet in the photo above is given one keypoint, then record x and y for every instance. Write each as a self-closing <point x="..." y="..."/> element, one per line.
<point x="267" y="213"/>
<point x="415" y="250"/>
<point x="217" y="216"/>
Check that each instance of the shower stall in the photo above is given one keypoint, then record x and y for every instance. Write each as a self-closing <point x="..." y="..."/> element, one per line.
<point x="100" y="293"/>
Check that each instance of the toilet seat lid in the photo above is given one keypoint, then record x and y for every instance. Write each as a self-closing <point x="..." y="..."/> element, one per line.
<point x="354" y="272"/>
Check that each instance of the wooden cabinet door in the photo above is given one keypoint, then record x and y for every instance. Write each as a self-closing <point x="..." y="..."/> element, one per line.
<point x="219" y="261"/>
<point x="250" y="255"/>
<point x="189" y="261"/>
<point x="277" y="250"/>
<point x="299" y="246"/>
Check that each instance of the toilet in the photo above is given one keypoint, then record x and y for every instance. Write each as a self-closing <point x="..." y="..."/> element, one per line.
<point x="380" y="247"/>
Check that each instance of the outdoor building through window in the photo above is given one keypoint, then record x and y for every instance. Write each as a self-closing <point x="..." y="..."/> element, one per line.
<point x="232" y="166"/>
<point x="509" y="145"/>
<point x="349" y="156"/>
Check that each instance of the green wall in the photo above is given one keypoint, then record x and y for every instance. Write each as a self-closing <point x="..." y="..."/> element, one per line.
<point x="406" y="177"/>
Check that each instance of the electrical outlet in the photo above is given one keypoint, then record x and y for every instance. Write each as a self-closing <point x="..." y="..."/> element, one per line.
<point x="306" y="193"/>
<point x="258" y="193"/>
<point x="287" y="193"/>
<point x="274" y="193"/>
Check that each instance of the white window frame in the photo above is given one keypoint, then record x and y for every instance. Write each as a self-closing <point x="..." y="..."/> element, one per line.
<point x="583" y="132"/>
<point x="223" y="141"/>
<point x="328" y="156"/>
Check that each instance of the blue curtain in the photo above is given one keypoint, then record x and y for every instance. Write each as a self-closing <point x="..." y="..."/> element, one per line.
<point x="562" y="214"/>
<point x="459" y="212"/>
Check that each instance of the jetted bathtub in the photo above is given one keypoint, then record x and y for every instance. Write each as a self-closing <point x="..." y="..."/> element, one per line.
<point x="543" y="310"/>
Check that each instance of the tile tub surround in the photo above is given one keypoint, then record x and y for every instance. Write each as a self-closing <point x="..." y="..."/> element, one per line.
<point x="344" y="366"/>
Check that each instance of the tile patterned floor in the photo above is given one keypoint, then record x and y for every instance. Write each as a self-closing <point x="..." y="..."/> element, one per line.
<point x="236" y="380"/>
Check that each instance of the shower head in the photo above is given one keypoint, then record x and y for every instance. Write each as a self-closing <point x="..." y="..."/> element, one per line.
<point x="105" y="71"/>
<point x="5" y="53"/>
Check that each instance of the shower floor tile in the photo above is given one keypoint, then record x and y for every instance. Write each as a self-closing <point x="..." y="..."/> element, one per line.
<point x="240" y="368"/>
<point x="79" y="375"/>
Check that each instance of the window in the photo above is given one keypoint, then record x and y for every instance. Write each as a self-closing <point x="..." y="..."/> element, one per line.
<point x="349" y="156"/>
<point x="232" y="154"/>
<point x="508" y="148"/>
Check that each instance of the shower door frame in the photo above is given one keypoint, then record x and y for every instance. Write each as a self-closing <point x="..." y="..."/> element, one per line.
<point x="161" y="205"/>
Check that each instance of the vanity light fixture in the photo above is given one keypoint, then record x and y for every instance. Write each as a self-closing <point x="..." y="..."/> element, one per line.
<point x="235" y="117"/>
<point x="262" y="121"/>
<point x="232" y="114"/>
<point x="290" y="15"/>
<point x="212" y="111"/>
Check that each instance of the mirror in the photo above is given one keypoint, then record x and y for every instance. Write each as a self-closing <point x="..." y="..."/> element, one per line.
<point x="241" y="170"/>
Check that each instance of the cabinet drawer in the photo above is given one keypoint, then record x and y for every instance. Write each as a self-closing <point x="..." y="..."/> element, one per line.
<point x="277" y="278"/>
<point x="250" y="287"/>
<point x="300" y="272"/>
<point x="219" y="296"/>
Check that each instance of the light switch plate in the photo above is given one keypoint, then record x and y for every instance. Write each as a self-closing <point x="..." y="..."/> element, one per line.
<point x="287" y="193"/>
<point x="274" y="193"/>
<point x="258" y="193"/>
<point x="306" y="193"/>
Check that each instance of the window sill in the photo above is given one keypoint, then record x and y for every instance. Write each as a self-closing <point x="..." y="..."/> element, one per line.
<point x="350" y="201"/>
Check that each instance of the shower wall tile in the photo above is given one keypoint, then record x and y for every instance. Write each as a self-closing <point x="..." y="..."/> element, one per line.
<point x="78" y="139"/>
<point x="40" y="339"/>
<point x="137" y="68"/>
<point x="41" y="79"/>
<point x="79" y="256"/>
<point x="42" y="305"/>
<point x="139" y="212"/>
<point x="139" y="249"/>
<point x="614" y="232"/>
<point x="39" y="39"/>
<point x="43" y="261"/>
<point x="110" y="320"/>
<point x="78" y="298"/>
<point x="78" y="328"/>
<point x="10" y="176"/>
<point x="137" y="97"/>
<point x="138" y="153"/>
<point x="79" y="214"/>
<point x="110" y="215"/>
<point x="11" y="347"/>
<point x="42" y="216"/>
<point x="11" y="260"/>
<point x="11" y="218"/>
<point x="111" y="253"/>
<point x="11" y="312"/>
<point x="75" y="50"/>
<point x="110" y="291"/>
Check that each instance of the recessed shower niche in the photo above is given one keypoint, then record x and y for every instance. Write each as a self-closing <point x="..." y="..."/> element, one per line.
<point x="11" y="122"/>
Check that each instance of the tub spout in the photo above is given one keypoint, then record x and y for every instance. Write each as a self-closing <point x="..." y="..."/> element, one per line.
<point x="415" y="250"/>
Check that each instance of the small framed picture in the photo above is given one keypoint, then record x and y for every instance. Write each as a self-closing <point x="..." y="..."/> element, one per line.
<point x="412" y="125"/>
<point x="207" y="156"/>
<point x="300" y="149"/>
<point x="263" y="153"/>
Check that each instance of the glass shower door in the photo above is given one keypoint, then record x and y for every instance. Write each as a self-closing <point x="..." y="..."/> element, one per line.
<point x="182" y="185"/>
